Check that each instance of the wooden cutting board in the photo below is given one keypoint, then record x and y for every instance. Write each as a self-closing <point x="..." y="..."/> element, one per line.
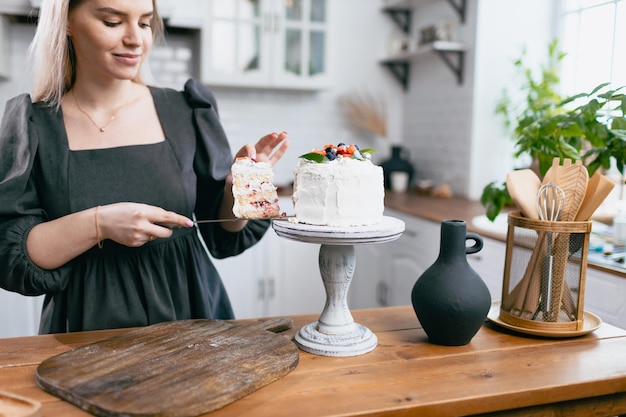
<point x="173" y="369"/>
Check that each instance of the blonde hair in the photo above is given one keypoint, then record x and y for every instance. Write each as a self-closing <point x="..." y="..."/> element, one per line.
<point x="51" y="55"/>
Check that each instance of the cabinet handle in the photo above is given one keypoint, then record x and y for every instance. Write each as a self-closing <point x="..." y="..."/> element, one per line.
<point x="382" y="292"/>
<point x="260" y="289"/>
<point x="276" y="23"/>
<point x="267" y="23"/>
<point x="271" y="288"/>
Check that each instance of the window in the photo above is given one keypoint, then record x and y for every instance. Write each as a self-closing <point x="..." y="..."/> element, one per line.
<point x="593" y="34"/>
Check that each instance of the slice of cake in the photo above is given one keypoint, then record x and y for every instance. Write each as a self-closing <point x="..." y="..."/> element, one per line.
<point x="255" y="195"/>
<point x="338" y="186"/>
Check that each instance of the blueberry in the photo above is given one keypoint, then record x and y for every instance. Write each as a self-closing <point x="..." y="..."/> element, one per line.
<point x="341" y="144"/>
<point x="331" y="154"/>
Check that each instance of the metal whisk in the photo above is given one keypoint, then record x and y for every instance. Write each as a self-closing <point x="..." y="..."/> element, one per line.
<point x="550" y="202"/>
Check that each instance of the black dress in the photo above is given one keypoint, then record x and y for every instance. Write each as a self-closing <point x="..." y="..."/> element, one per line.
<point x="117" y="286"/>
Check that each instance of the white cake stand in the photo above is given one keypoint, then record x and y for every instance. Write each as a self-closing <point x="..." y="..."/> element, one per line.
<point x="335" y="333"/>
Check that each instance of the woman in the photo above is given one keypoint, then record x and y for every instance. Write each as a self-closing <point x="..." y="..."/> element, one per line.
<point x="94" y="166"/>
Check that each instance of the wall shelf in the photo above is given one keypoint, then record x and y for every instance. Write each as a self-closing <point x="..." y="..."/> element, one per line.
<point x="452" y="54"/>
<point x="399" y="6"/>
<point x="401" y="17"/>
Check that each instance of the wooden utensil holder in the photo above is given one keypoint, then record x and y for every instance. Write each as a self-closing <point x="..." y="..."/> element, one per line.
<point x="535" y="296"/>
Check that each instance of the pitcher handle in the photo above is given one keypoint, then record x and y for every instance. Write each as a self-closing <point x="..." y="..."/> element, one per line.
<point x="478" y="243"/>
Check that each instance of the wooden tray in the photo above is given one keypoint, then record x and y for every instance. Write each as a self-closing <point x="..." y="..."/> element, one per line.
<point x="173" y="369"/>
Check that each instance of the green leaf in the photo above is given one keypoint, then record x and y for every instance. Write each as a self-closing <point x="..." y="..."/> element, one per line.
<point x="494" y="198"/>
<point x="368" y="150"/>
<point x="313" y="156"/>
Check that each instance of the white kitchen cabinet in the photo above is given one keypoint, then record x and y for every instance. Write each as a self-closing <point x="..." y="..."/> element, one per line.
<point x="298" y="283"/>
<point x="19" y="7"/>
<point x="183" y="13"/>
<point x="266" y="43"/>
<point x="385" y="273"/>
<point x="276" y="277"/>
<point x="489" y="264"/>
<point x="605" y="295"/>
<point x="246" y="279"/>
<point x="19" y="315"/>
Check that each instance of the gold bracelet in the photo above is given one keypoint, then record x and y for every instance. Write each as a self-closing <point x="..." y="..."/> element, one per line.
<point x="98" y="230"/>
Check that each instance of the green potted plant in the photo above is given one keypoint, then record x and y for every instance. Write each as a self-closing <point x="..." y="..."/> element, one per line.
<point x="586" y="126"/>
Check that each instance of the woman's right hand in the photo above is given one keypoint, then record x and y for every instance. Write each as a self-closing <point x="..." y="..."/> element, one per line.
<point x="134" y="224"/>
<point x="54" y="243"/>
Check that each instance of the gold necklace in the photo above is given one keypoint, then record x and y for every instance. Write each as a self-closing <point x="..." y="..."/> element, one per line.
<point x="101" y="128"/>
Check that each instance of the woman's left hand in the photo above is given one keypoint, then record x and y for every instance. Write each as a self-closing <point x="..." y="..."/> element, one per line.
<point x="270" y="148"/>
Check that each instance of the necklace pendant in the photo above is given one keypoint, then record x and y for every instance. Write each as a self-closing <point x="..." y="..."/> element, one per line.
<point x="102" y="129"/>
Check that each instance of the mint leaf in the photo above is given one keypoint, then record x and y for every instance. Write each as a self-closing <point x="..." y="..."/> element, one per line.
<point x="313" y="156"/>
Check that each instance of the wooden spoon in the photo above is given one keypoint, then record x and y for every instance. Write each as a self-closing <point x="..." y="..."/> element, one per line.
<point x="573" y="179"/>
<point x="523" y="185"/>
<point x="524" y="298"/>
<point x="598" y="188"/>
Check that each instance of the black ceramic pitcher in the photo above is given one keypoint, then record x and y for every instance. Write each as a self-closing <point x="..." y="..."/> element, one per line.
<point x="399" y="162"/>
<point x="450" y="299"/>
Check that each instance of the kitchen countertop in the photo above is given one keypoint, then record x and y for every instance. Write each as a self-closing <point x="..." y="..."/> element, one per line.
<point x="497" y="372"/>
<point x="439" y="209"/>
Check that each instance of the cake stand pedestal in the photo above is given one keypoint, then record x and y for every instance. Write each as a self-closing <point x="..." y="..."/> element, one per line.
<point x="335" y="333"/>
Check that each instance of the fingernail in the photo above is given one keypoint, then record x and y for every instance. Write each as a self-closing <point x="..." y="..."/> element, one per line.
<point x="188" y="223"/>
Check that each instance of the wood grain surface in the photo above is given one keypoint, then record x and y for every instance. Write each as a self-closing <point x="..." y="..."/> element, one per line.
<point x="174" y="369"/>
<point x="499" y="373"/>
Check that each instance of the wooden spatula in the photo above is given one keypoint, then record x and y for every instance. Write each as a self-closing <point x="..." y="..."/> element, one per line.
<point x="523" y="185"/>
<point x="552" y="172"/>
<point x="598" y="188"/>
<point x="573" y="179"/>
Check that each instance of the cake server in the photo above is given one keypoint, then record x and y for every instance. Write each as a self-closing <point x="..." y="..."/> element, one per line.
<point x="175" y="226"/>
<point x="238" y="219"/>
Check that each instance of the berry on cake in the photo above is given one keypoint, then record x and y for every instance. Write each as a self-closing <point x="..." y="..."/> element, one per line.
<point x="338" y="185"/>
<point x="255" y="194"/>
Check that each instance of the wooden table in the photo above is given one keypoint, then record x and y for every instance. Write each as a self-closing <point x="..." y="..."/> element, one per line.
<point x="498" y="372"/>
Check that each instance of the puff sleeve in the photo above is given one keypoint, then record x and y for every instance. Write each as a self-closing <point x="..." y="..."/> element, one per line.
<point x="212" y="164"/>
<point x="20" y="209"/>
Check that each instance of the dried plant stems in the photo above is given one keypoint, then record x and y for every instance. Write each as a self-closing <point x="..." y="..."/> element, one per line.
<point x="366" y="112"/>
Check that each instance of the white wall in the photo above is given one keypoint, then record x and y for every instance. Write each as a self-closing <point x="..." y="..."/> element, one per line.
<point x="437" y="110"/>
<point x="451" y="130"/>
<point x="498" y="43"/>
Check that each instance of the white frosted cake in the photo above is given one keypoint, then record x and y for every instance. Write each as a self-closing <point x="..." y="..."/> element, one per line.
<point x="338" y="186"/>
<point x="255" y="194"/>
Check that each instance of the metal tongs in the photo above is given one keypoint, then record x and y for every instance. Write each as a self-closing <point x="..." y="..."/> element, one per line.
<point x="550" y="202"/>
